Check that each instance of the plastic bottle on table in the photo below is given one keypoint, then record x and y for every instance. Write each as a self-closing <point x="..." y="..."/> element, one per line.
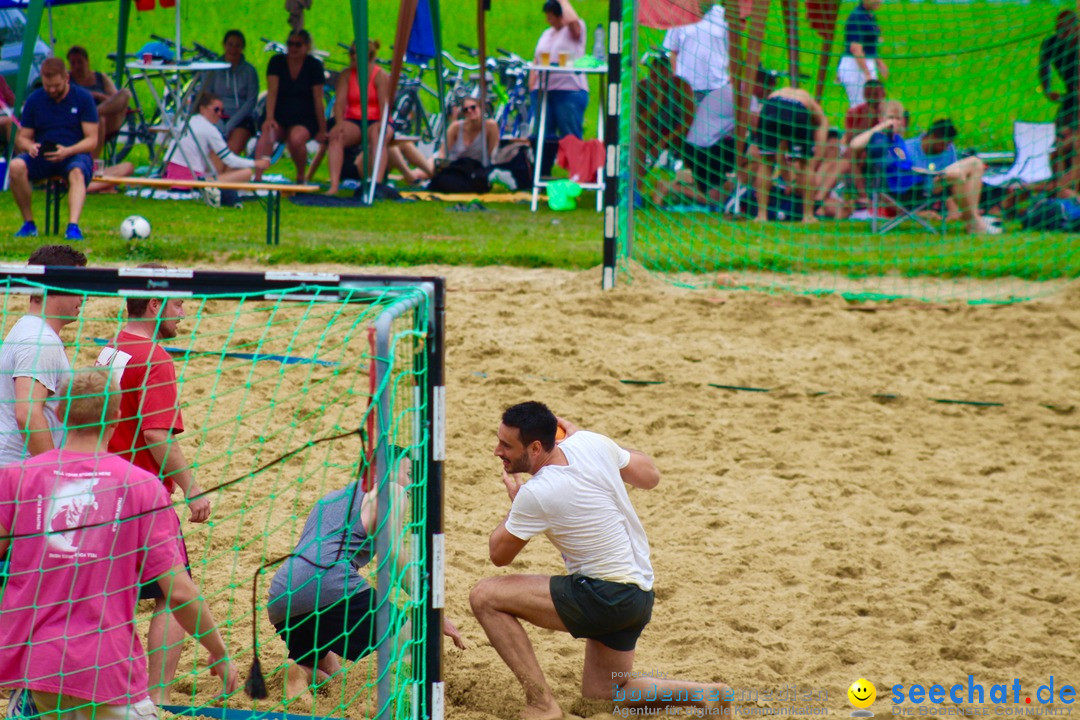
<point x="598" y="42"/>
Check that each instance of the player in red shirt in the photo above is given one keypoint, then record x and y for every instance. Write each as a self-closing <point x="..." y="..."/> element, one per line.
<point x="150" y="419"/>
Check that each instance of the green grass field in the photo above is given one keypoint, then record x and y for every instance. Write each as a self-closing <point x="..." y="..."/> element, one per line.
<point x="974" y="62"/>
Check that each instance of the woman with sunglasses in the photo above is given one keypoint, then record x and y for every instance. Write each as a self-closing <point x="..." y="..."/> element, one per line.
<point x="294" y="102"/>
<point x="238" y="88"/>
<point x="466" y="138"/>
<point x="351" y="120"/>
<point x="202" y="143"/>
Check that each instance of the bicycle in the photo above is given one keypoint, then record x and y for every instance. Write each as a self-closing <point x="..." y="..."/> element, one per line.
<point x="140" y="127"/>
<point x="515" y="116"/>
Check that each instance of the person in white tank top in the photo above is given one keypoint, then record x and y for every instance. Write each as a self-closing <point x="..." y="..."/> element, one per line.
<point x="578" y="498"/>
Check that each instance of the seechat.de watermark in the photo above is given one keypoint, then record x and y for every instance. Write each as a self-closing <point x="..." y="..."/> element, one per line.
<point x="1053" y="698"/>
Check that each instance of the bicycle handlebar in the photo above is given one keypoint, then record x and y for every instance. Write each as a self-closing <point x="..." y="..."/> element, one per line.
<point x="204" y="50"/>
<point x="470" y="51"/>
<point x="460" y="65"/>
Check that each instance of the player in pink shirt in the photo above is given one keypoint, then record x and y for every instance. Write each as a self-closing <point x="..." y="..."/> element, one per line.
<point x="86" y="528"/>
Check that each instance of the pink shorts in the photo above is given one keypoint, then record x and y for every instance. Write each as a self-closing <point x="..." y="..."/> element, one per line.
<point x="176" y="171"/>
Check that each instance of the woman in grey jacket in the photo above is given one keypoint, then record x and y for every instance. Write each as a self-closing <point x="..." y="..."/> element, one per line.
<point x="238" y="88"/>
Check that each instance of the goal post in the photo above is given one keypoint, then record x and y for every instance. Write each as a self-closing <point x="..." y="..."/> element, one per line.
<point x="278" y="375"/>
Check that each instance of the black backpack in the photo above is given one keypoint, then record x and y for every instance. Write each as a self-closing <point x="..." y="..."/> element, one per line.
<point x="1052" y="215"/>
<point x="463" y="175"/>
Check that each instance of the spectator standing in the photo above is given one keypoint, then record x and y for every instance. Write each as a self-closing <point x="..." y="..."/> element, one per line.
<point x="145" y="434"/>
<point x="202" y="143"/>
<point x="66" y="629"/>
<point x="860" y="62"/>
<point x="59" y="131"/>
<point x="793" y="126"/>
<point x="294" y="102"/>
<point x="112" y="104"/>
<point x="34" y="366"/>
<point x="1060" y="52"/>
<point x="238" y="88"/>
<point x="568" y="93"/>
<point x="699" y="52"/>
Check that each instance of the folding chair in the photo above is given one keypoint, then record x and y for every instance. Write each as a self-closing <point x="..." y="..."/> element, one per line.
<point x="1034" y="142"/>
<point x="926" y="197"/>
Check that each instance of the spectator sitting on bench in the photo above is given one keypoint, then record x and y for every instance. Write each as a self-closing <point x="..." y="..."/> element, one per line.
<point x="907" y="186"/>
<point x="202" y="138"/>
<point x="708" y="151"/>
<point x="238" y="88"/>
<point x="112" y="104"/>
<point x="59" y="130"/>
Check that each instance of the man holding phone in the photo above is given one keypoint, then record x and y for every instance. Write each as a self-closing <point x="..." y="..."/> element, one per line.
<point x="59" y="131"/>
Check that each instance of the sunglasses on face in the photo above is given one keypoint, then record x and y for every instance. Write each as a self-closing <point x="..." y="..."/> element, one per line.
<point x="470" y="108"/>
<point x="217" y="110"/>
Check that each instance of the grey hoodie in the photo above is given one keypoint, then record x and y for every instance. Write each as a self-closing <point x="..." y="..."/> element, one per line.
<point x="238" y="88"/>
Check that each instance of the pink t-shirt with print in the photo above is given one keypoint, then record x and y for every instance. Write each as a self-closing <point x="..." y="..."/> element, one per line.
<point x="67" y="617"/>
<point x="556" y="41"/>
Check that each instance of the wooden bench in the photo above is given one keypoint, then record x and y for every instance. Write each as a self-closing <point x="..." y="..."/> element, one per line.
<point x="273" y="197"/>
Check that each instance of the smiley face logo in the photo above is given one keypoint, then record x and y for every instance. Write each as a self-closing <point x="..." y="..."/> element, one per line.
<point x="862" y="694"/>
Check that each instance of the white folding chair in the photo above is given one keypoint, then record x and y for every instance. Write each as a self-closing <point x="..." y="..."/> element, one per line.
<point x="1034" y="143"/>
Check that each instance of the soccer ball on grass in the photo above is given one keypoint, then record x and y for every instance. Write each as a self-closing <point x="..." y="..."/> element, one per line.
<point x="135" y="227"/>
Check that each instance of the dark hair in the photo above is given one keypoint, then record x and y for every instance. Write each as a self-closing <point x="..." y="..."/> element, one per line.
<point x="302" y="34"/>
<point x="534" y="421"/>
<point x="58" y="255"/>
<point x="232" y="34"/>
<point x="136" y="306"/>
<point x="555" y="8"/>
<point x="205" y="99"/>
<point x="874" y="83"/>
<point x="944" y="129"/>
<point x="77" y="50"/>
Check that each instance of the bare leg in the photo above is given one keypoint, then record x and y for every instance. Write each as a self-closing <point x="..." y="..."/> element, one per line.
<point x="762" y="184"/>
<point x="296" y="144"/>
<point x="418" y="159"/>
<point x="19" y="180"/>
<point x="235" y="175"/>
<point x="238" y="140"/>
<point x="342" y="136"/>
<point x="606" y="676"/>
<point x="164" y="644"/>
<point x="373" y="141"/>
<point x="297" y="680"/>
<point x="499" y="604"/>
<point x="76" y="195"/>
<point x="123" y="169"/>
<point x="965" y="184"/>
<point x="804" y="179"/>
<point x="265" y="148"/>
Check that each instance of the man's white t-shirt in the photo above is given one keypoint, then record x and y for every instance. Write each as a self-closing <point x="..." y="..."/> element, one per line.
<point x="202" y="133"/>
<point x="586" y="513"/>
<point x="31" y="349"/>
<point x="702" y="51"/>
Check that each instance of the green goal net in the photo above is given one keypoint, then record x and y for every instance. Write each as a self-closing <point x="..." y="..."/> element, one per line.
<point x="933" y="142"/>
<point x="307" y="401"/>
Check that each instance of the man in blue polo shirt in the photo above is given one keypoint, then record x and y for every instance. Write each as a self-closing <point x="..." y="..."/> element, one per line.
<point x="59" y="131"/>
<point x="933" y="150"/>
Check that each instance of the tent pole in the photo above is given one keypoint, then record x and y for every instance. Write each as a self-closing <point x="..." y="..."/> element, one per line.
<point x="179" y="50"/>
<point x="791" y="20"/>
<point x="30" y="33"/>
<point x="121" y="42"/>
<point x="360" y="35"/>
<point x="440" y="81"/>
<point x="481" y="41"/>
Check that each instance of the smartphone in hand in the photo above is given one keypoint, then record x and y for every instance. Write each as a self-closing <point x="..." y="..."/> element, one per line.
<point x="49" y="147"/>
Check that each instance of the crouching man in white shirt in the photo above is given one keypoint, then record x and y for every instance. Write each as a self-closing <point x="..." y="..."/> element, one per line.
<point x="577" y="497"/>
<point x="202" y="142"/>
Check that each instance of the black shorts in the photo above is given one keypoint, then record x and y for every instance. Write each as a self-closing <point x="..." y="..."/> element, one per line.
<point x="151" y="590"/>
<point x="783" y="120"/>
<point x="248" y="123"/>
<point x="346" y="628"/>
<point x="613" y="613"/>
<point x="710" y="166"/>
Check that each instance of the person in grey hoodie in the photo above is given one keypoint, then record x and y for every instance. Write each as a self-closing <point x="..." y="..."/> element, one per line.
<point x="238" y="88"/>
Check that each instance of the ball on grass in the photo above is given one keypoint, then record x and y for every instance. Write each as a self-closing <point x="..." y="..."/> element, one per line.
<point x="135" y="227"/>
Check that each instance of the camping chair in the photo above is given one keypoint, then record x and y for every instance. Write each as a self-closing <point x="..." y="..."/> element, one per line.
<point x="1034" y="142"/>
<point x="924" y="200"/>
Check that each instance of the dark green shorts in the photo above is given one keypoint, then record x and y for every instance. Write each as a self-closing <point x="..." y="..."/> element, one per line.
<point x="613" y="613"/>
